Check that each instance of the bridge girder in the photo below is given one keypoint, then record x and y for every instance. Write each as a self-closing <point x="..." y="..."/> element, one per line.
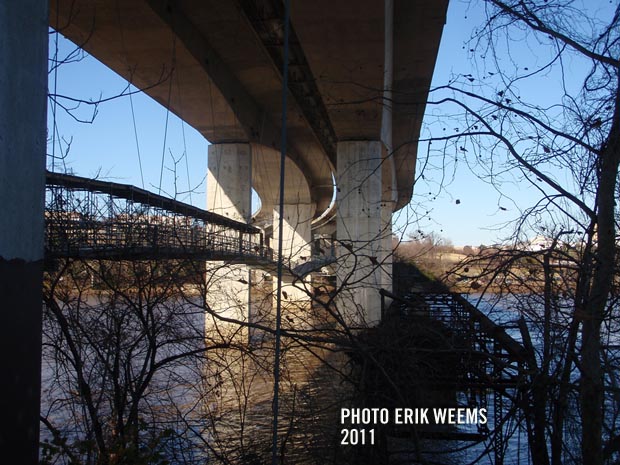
<point x="224" y="58"/>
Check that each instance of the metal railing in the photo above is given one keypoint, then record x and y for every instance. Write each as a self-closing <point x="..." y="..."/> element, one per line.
<point x="489" y="362"/>
<point x="96" y="219"/>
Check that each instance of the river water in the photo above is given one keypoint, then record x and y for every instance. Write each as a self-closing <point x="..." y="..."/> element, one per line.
<point x="222" y="404"/>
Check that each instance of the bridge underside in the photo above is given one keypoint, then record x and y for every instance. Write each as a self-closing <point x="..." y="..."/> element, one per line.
<point x="224" y="59"/>
<point x="359" y="74"/>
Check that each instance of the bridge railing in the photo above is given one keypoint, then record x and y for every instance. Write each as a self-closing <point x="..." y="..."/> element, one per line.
<point x="91" y="218"/>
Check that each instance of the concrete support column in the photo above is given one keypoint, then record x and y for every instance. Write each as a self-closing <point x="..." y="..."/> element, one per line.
<point x="23" y="100"/>
<point x="229" y="181"/>
<point x="296" y="249"/>
<point x="363" y="231"/>
<point x="229" y="193"/>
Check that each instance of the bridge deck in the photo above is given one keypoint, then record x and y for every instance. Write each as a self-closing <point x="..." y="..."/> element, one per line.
<point x="90" y="219"/>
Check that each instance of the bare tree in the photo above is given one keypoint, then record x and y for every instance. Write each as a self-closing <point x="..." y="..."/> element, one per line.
<point x="122" y="355"/>
<point x="565" y="146"/>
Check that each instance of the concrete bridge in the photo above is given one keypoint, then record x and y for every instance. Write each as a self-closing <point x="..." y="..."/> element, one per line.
<point x="358" y="78"/>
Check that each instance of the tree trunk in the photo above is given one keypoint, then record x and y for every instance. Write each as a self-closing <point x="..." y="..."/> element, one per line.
<point x="591" y="392"/>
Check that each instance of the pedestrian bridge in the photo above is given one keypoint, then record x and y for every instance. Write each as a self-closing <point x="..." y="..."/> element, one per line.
<point x="94" y="219"/>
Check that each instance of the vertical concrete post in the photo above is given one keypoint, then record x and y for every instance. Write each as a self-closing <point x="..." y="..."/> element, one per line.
<point x="23" y="100"/>
<point x="296" y="249"/>
<point x="360" y="231"/>
<point x="229" y="181"/>
<point x="229" y="193"/>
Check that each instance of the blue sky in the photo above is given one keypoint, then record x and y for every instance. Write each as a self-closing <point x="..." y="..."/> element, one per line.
<point x="465" y="209"/>
<point x="107" y="148"/>
<point x="461" y="207"/>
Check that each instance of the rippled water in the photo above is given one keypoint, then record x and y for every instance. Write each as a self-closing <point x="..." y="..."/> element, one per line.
<point x="237" y="416"/>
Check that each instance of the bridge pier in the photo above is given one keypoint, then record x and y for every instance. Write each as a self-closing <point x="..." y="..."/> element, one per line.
<point x="229" y="193"/>
<point x="296" y="248"/>
<point x="363" y="231"/>
<point x="299" y="209"/>
<point x="23" y="99"/>
<point x="229" y="186"/>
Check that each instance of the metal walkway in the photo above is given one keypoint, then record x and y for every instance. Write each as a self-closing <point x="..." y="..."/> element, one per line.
<point x="92" y="219"/>
<point x="491" y="365"/>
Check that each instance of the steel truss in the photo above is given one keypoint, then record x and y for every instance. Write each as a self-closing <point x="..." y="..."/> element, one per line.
<point x="89" y="218"/>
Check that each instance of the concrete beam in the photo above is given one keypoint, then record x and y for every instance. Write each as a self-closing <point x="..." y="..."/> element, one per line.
<point x="23" y="100"/>
<point x="267" y="19"/>
<point x="344" y="45"/>
<point x="248" y="113"/>
<point x="256" y="121"/>
<point x="418" y="26"/>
